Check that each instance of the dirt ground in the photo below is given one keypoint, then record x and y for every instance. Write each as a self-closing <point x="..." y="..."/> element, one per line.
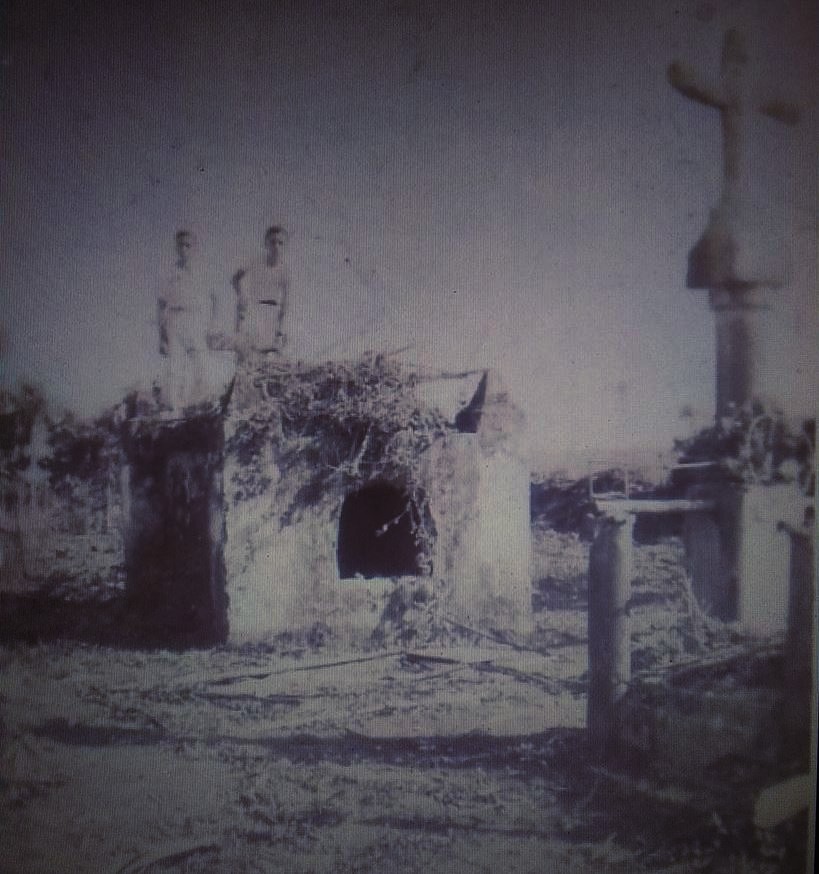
<point x="454" y="754"/>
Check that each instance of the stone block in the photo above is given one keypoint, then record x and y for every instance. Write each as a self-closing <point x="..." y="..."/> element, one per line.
<point x="739" y="563"/>
<point x="687" y="723"/>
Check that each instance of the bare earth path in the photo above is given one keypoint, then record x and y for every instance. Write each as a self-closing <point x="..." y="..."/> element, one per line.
<point x="468" y="757"/>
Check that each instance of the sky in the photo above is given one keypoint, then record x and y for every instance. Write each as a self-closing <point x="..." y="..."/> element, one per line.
<point x="504" y="184"/>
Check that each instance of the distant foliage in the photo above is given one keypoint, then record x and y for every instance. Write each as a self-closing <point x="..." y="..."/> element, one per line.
<point x="565" y="505"/>
<point x="78" y="451"/>
<point x="752" y="446"/>
<point x="18" y="412"/>
<point x="84" y="454"/>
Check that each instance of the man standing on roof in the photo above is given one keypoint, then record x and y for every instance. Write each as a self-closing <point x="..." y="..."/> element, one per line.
<point x="262" y="291"/>
<point x="183" y="312"/>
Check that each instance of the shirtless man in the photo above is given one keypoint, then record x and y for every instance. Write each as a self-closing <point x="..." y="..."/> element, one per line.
<point x="183" y="324"/>
<point x="262" y="291"/>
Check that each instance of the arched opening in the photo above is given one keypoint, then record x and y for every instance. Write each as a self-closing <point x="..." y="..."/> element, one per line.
<point x="375" y="534"/>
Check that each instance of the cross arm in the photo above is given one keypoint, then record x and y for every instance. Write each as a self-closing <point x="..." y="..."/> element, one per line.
<point x="684" y="79"/>
<point x="781" y="110"/>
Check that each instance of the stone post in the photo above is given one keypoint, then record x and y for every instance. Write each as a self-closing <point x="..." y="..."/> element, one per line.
<point x="760" y="565"/>
<point x="800" y="653"/>
<point x="610" y="573"/>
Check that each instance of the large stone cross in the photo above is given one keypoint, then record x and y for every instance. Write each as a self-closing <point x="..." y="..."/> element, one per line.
<point x="742" y="245"/>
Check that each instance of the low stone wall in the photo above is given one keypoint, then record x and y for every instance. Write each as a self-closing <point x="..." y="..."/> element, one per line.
<point x="687" y="723"/>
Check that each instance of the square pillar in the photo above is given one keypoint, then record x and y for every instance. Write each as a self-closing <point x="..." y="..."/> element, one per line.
<point x="175" y="528"/>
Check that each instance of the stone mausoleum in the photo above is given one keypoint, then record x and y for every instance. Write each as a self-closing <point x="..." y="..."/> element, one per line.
<point x="331" y="500"/>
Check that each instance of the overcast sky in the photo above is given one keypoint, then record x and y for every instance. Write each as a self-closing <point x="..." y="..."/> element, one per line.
<point x="495" y="183"/>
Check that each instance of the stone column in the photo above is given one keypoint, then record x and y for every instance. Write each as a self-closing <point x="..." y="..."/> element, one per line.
<point x="741" y="318"/>
<point x="739" y="260"/>
<point x="610" y="573"/>
<point x="740" y="256"/>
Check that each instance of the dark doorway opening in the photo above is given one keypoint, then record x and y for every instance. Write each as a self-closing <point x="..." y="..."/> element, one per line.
<point x="375" y="534"/>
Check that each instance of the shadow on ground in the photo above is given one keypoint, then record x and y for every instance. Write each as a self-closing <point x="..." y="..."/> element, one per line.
<point x="38" y="618"/>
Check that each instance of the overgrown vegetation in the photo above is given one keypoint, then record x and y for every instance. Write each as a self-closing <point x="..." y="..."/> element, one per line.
<point x="82" y="451"/>
<point x="756" y="446"/>
<point x="76" y="457"/>
<point x="341" y="425"/>
<point x="752" y="447"/>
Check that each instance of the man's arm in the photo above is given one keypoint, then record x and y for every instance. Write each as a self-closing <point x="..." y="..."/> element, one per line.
<point x="162" y="320"/>
<point x="281" y="337"/>
<point x="241" y="302"/>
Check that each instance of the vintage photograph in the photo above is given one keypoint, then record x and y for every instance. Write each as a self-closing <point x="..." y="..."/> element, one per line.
<point x="407" y="436"/>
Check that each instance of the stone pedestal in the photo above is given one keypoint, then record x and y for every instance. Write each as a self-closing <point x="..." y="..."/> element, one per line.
<point x="762" y="561"/>
<point x="236" y="533"/>
<point x="280" y="551"/>
<point x="739" y="564"/>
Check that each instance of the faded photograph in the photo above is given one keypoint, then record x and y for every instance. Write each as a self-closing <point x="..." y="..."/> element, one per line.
<point x="407" y="436"/>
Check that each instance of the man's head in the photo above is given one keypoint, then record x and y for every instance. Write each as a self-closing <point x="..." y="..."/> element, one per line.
<point x="185" y="244"/>
<point x="275" y="238"/>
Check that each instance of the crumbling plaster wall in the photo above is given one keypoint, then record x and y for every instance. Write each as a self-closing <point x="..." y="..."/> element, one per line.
<point x="227" y="515"/>
<point x="281" y="557"/>
<point x="282" y="570"/>
<point x="479" y="499"/>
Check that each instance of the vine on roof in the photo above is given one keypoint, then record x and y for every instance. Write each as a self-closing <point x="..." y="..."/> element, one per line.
<point x="343" y="424"/>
